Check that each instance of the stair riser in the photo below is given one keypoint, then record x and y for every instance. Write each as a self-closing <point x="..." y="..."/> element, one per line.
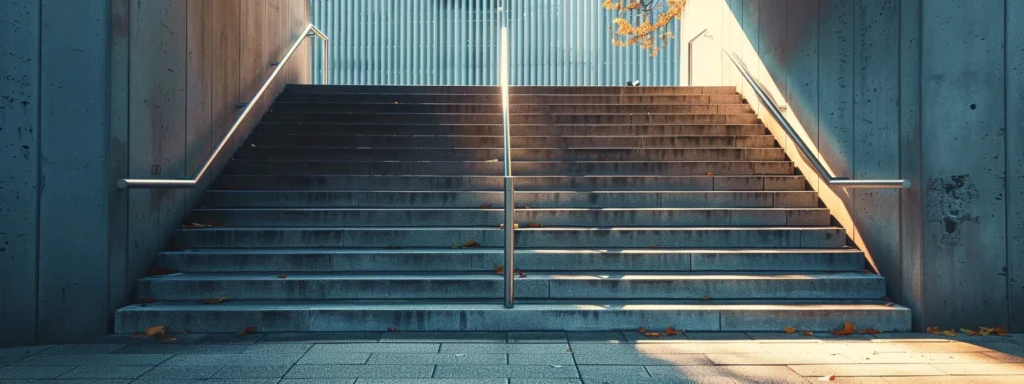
<point x="493" y="217"/>
<point x="515" y="130"/>
<point x="532" y="154"/>
<point x="525" y="238"/>
<point x="513" y="99"/>
<point x="376" y="199"/>
<point x="384" y="288"/>
<point x="456" y="118"/>
<point x="513" y="90"/>
<point x="628" y="142"/>
<point x="483" y="183"/>
<point x="255" y="167"/>
<point x="525" y="260"/>
<point x="515" y="108"/>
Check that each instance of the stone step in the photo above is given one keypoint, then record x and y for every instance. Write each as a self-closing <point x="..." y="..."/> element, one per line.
<point x="519" y="118"/>
<point x="513" y="90"/>
<point x="518" y="154"/>
<point x="435" y="107"/>
<point x="524" y="168"/>
<point x="484" y="260"/>
<point x="533" y="199"/>
<point x="626" y="142"/>
<point x="536" y="285"/>
<point x="341" y="129"/>
<point x="460" y="217"/>
<point x="546" y="237"/>
<point x="522" y="183"/>
<point x="556" y="315"/>
<point x="390" y="98"/>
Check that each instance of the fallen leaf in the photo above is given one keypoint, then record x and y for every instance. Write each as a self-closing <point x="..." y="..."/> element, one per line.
<point x="890" y="304"/>
<point x="985" y="331"/>
<point x="671" y="331"/>
<point x="499" y="269"/>
<point x="157" y="271"/>
<point x="848" y="329"/>
<point x="642" y="330"/>
<point x="653" y="334"/>
<point x="789" y="330"/>
<point x="282" y="276"/>
<point x="969" y="332"/>
<point x="137" y="335"/>
<point x="949" y="332"/>
<point x="999" y="330"/>
<point x="533" y="225"/>
<point x="471" y="244"/>
<point x="166" y="338"/>
<point x="709" y="173"/>
<point x="216" y="301"/>
<point x="808" y="333"/>
<point x="870" y="331"/>
<point x="705" y="298"/>
<point x="933" y="330"/>
<point x="519" y="274"/>
<point x="392" y="329"/>
<point x="827" y="378"/>
<point x="246" y="331"/>
<point x="156" y="330"/>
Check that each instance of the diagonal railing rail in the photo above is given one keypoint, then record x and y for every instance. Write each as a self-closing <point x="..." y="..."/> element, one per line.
<point x="189" y="183"/>
<point x="510" y="209"/>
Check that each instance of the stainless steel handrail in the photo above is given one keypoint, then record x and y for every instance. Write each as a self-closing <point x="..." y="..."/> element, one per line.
<point x="509" y="185"/>
<point x="188" y="183"/>
<point x="805" y="151"/>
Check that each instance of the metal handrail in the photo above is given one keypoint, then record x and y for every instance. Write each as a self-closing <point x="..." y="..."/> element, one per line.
<point x="509" y="185"/>
<point x="188" y="183"/>
<point x="805" y="151"/>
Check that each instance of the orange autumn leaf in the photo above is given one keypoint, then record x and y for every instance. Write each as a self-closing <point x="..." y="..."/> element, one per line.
<point x="642" y="330"/>
<point x="789" y="330"/>
<point x="827" y="378"/>
<point x="709" y="174"/>
<point x="671" y="331"/>
<point x="246" y="331"/>
<point x="156" y="330"/>
<point x="985" y="331"/>
<point x="808" y="333"/>
<point x="848" y="329"/>
<point x="969" y="332"/>
<point x="499" y="269"/>
<point x="933" y="330"/>
<point x="870" y="331"/>
<point x="653" y="334"/>
<point x="999" y="330"/>
<point x="470" y="244"/>
<point x="950" y="332"/>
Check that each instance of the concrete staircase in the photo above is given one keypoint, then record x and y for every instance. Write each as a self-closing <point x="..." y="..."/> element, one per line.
<point x="350" y="209"/>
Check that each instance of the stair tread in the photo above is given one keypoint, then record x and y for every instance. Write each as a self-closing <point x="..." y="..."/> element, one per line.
<point x="413" y="250"/>
<point x="588" y="275"/>
<point x="490" y="305"/>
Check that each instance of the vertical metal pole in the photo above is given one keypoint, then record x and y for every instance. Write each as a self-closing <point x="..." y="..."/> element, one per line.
<point x="326" y="61"/>
<point x="509" y="186"/>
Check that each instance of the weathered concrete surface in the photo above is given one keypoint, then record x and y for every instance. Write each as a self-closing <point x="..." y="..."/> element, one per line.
<point x="923" y="90"/>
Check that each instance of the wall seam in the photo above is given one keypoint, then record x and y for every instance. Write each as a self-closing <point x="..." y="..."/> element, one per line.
<point x="899" y="151"/>
<point x="1007" y="207"/>
<point x="39" y="163"/>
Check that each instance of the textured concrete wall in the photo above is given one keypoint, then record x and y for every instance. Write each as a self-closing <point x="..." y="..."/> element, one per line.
<point x="924" y="90"/>
<point x="94" y="91"/>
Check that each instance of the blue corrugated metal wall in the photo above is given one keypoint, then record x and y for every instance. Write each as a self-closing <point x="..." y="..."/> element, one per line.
<point x="455" y="42"/>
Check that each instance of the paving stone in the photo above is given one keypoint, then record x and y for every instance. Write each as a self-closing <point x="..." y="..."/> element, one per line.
<point x="1003" y="347"/>
<point x="444" y="337"/>
<point x="231" y="338"/>
<point x="233" y="359"/>
<point x="321" y="337"/>
<point x="955" y="380"/>
<point x="83" y="348"/>
<point x="277" y="348"/>
<point x="128" y="339"/>
<point x="251" y="372"/>
<point x="48" y="372"/>
<point x="637" y="380"/>
<point x="947" y="347"/>
<point x="171" y="372"/>
<point x="596" y="337"/>
<point x="334" y="358"/>
<point x="1005" y="357"/>
<point x="819" y="348"/>
<point x="181" y="349"/>
<point x="438" y="358"/>
<point x="641" y="359"/>
<point x="431" y="381"/>
<point x="740" y="374"/>
<point x="94" y="359"/>
<point x="613" y="372"/>
<point x="359" y="371"/>
<point x="776" y="358"/>
<point x="376" y="348"/>
<point x="507" y="371"/>
<point x="23" y="351"/>
<point x="690" y="347"/>
<point x="317" y="381"/>
<point x="782" y="337"/>
<point x="718" y="336"/>
<point x="209" y="381"/>
<point x="541" y="359"/>
<point x="982" y="369"/>
<point x="854" y="380"/>
<point x="67" y="381"/>
<point x="538" y="337"/>
<point x="544" y="381"/>
<point x="504" y="348"/>
<point x="923" y="358"/>
<point x="107" y="372"/>
<point x="866" y="370"/>
<point x="8" y="360"/>
<point x="909" y="337"/>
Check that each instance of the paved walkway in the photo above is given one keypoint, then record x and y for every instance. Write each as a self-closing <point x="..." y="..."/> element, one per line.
<point x="521" y="358"/>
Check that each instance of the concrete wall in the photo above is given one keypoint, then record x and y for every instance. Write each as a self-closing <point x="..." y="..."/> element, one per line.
<point x="924" y="90"/>
<point x="99" y="90"/>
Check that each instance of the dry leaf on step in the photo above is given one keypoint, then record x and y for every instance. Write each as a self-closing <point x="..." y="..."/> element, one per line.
<point x="156" y="330"/>
<point x="808" y="333"/>
<point x="848" y="329"/>
<point x="642" y="330"/>
<point x="671" y="331"/>
<point x="789" y="330"/>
